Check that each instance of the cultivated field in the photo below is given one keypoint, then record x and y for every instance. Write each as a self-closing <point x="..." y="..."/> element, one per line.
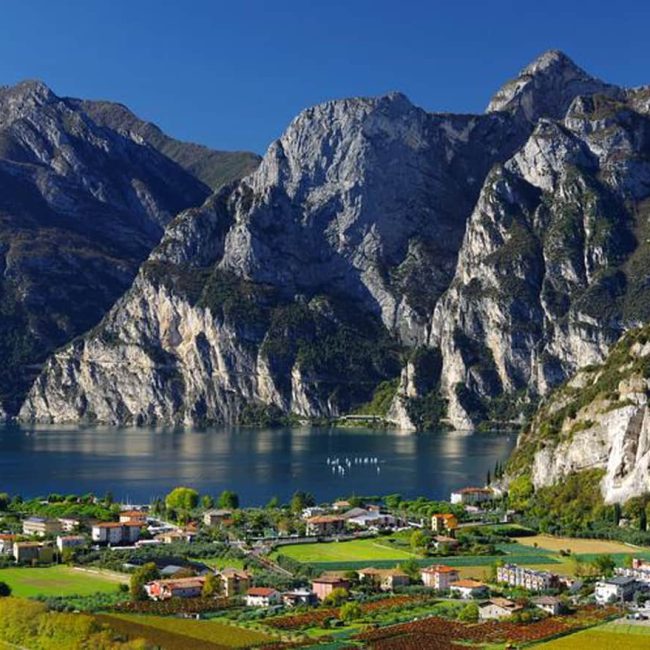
<point x="575" y="544"/>
<point x="612" y="636"/>
<point x="56" y="581"/>
<point x="173" y="633"/>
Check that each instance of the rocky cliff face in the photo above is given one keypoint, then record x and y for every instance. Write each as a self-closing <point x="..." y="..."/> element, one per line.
<point x="487" y="256"/>
<point x="81" y="206"/>
<point x="597" y="420"/>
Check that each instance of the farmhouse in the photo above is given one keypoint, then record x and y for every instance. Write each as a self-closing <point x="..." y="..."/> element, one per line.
<point x="384" y="579"/>
<point x="114" y="532"/>
<point x="175" y="588"/>
<point x="262" y="597"/>
<point x="299" y="597"/>
<point x="471" y="496"/>
<point x="70" y="541"/>
<point x="443" y="522"/>
<point x="496" y="608"/>
<point x="216" y="517"/>
<point x="325" y="585"/>
<point x="530" y="579"/>
<point x="235" y="582"/>
<point x="325" y="525"/>
<point x="618" y="589"/>
<point x="549" y="604"/>
<point x="439" y="576"/>
<point x="173" y="536"/>
<point x="469" y="589"/>
<point x="41" y="526"/>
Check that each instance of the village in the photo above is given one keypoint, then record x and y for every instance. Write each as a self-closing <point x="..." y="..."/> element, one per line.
<point x="335" y="570"/>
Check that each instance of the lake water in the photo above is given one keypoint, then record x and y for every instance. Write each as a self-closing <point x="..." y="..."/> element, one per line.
<point x="138" y="464"/>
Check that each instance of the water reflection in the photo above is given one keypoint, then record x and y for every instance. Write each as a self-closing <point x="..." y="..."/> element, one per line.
<point x="257" y="463"/>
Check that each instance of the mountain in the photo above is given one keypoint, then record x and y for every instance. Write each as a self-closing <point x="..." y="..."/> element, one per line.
<point x="214" y="168"/>
<point x="81" y="206"/>
<point x="386" y="260"/>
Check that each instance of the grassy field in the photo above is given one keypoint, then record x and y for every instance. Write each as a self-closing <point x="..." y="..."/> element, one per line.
<point x="576" y="545"/>
<point x="220" y="563"/>
<point x="355" y="550"/>
<point x="612" y="636"/>
<point x="169" y="632"/>
<point x="56" y="581"/>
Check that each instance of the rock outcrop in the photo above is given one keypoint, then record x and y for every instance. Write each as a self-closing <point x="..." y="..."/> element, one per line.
<point x="481" y="258"/>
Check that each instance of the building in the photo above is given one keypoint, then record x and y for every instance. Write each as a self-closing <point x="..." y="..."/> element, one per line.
<point x="325" y="525"/>
<point x="549" y="604"/>
<point x="70" y="524"/>
<point x="133" y="517"/>
<point x="442" y="542"/>
<point x="175" y="588"/>
<point x="7" y="543"/>
<point x="41" y="526"/>
<point x="299" y="597"/>
<point x="371" y="519"/>
<point x="640" y="571"/>
<point x="312" y="511"/>
<point x="443" y="522"/>
<point x="216" y="517"/>
<point x="497" y="608"/>
<point x="262" y="597"/>
<point x="70" y="541"/>
<point x="174" y="536"/>
<point x="341" y="505"/>
<point x="615" y="590"/>
<point x="439" y="576"/>
<point x="471" y="496"/>
<point x="384" y="579"/>
<point x="517" y="576"/>
<point x="469" y="589"/>
<point x="114" y="532"/>
<point x="30" y="552"/>
<point x="325" y="585"/>
<point x="235" y="582"/>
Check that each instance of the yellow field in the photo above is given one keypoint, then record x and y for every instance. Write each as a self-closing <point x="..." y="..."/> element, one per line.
<point x="576" y="545"/>
<point x="598" y="640"/>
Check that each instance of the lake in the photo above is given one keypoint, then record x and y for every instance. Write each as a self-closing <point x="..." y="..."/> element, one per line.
<point x="138" y="464"/>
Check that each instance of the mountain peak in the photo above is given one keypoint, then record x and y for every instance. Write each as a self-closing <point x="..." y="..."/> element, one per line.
<point x="546" y="87"/>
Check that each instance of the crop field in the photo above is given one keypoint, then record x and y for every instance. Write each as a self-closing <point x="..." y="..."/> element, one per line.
<point x="57" y="581"/>
<point x="180" y="634"/>
<point x="576" y="545"/>
<point x="612" y="636"/>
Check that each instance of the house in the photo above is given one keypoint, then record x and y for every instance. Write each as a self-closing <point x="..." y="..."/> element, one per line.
<point x="549" y="604"/>
<point x="469" y="589"/>
<point x="325" y="585"/>
<point x="70" y="541"/>
<point x="175" y="588"/>
<point x="517" y="576"/>
<point x="384" y="579"/>
<point x="235" y="582"/>
<point x="640" y="571"/>
<point x="133" y="517"/>
<point x="299" y="597"/>
<point x="615" y="590"/>
<point x="496" y="608"/>
<point x="29" y="552"/>
<point x="311" y="511"/>
<point x="442" y="542"/>
<point x="216" y="517"/>
<point x="325" y="525"/>
<point x="7" y="543"/>
<point x="471" y="496"/>
<point x="114" y="532"/>
<point x="262" y="597"/>
<point x="174" y="536"/>
<point x="439" y="576"/>
<point x="443" y="522"/>
<point x="341" y="505"/>
<point x="367" y="519"/>
<point x="41" y="526"/>
<point x="70" y="524"/>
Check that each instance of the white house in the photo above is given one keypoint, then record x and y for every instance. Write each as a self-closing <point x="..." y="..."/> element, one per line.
<point x="471" y="496"/>
<point x="615" y="590"/>
<point x="439" y="576"/>
<point x="113" y="532"/>
<point x="497" y="608"/>
<point x="467" y="589"/>
<point x="7" y="543"/>
<point x="70" y="541"/>
<point x="549" y="604"/>
<point x="262" y="597"/>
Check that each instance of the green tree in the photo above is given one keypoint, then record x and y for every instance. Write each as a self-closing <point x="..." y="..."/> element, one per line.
<point x="182" y="499"/>
<point x="5" y="590"/>
<point x="273" y="503"/>
<point x="140" y="577"/>
<point x="5" y="500"/>
<point x="350" y="612"/>
<point x="207" y="502"/>
<point x="228" y="500"/>
<point x="627" y="561"/>
<point x="301" y="500"/>
<point x="469" y="613"/>
<point x="336" y="597"/>
<point x="520" y="491"/>
<point x="212" y="585"/>
<point x="393" y="501"/>
<point x="419" y="541"/>
<point x="412" y="569"/>
<point x="604" y="565"/>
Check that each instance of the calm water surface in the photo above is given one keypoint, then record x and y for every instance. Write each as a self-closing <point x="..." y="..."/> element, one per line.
<point x="138" y="464"/>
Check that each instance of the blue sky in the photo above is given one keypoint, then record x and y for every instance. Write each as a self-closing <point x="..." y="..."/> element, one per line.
<point x="232" y="75"/>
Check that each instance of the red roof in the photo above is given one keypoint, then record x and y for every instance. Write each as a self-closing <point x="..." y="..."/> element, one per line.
<point x="330" y="580"/>
<point x="325" y="519"/>
<point x="467" y="584"/>
<point x="264" y="592"/>
<point x="440" y="568"/>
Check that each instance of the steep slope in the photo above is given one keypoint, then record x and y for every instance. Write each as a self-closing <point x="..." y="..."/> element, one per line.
<point x="599" y="420"/>
<point x="486" y="256"/>
<point x="297" y="289"/>
<point x="80" y="207"/>
<point x="214" y="168"/>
